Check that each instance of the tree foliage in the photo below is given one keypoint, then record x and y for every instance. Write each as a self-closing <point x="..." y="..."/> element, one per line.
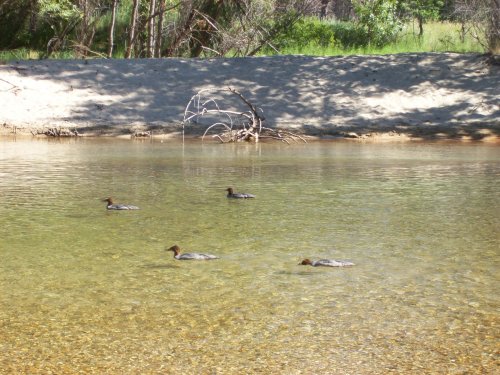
<point x="378" y="19"/>
<point x="422" y="11"/>
<point x="58" y="10"/>
<point x="207" y="28"/>
<point x="482" y="19"/>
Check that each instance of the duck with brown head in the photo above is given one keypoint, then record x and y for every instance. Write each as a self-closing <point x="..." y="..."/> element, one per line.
<point x="231" y="194"/>
<point x="326" y="263"/>
<point x="115" y="206"/>
<point x="190" y="256"/>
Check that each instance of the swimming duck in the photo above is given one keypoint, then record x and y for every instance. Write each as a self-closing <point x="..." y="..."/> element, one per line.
<point x="190" y="256"/>
<point x="230" y="194"/>
<point x="326" y="263"/>
<point x="112" y="206"/>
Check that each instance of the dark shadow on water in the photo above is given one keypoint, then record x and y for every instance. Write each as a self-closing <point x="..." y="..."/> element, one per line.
<point x="154" y="266"/>
<point x="297" y="273"/>
<point x="77" y="216"/>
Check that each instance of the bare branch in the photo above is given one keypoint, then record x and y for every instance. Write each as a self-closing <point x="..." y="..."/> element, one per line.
<point x="237" y="125"/>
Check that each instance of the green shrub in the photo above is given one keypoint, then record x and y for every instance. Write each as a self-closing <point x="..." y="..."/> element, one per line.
<point x="348" y="39"/>
<point x="349" y="35"/>
<point x="305" y="32"/>
<point x="378" y="20"/>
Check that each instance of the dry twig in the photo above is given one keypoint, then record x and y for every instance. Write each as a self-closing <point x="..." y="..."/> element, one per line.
<point x="236" y="125"/>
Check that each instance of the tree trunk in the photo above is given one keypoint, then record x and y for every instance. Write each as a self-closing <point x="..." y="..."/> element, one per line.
<point x="342" y="9"/>
<point x="133" y="23"/>
<point x="85" y="29"/>
<point x="202" y="30"/>
<point x="33" y="16"/>
<point x="420" y="20"/>
<point x="323" y="8"/>
<point x="151" y="30"/>
<point x="494" y="28"/>
<point x="82" y="29"/>
<point x="159" y="28"/>
<point x="180" y="37"/>
<point x="112" y="29"/>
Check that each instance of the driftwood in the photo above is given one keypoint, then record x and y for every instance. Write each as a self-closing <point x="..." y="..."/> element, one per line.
<point x="145" y="134"/>
<point x="235" y="125"/>
<point x="57" y="132"/>
<point x="13" y="88"/>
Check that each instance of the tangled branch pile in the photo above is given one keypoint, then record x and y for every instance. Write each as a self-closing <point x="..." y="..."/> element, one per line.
<point x="235" y="125"/>
<point x="56" y="132"/>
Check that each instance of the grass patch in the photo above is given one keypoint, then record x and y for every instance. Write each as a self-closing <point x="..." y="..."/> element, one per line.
<point x="437" y="37"/>
<point x="327" y="38"/>
<point x="19" y="54"/>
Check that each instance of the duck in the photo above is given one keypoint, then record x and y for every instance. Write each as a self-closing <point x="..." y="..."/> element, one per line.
<point x="326" y="263"/>
<point x="231" y="194"/>
<point x="190" y="256"/>
<point x="113" y="206"/>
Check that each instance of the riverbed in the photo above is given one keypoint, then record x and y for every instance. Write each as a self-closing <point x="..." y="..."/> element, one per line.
<point x="88" y="290"/>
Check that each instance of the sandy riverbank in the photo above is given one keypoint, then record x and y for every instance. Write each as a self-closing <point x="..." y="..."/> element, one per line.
<point x="405" y="96"/>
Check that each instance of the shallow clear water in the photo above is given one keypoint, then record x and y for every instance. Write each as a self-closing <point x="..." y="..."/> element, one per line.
<point x="92" y="291"/>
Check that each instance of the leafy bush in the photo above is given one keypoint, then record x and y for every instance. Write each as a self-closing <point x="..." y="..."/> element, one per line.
<point x="14" y="16"/>
<point x="59" y="11"/>
<point x="378" y="20"/>
<point x="313" y="32"/>
<point x="349" y="35"/>
<point x="306" y="32"/>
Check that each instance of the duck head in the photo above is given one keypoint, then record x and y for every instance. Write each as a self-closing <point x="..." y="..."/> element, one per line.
<point x="305" y="262"/>
<point x="109" y="200"/>
<point x="176" y="249"/>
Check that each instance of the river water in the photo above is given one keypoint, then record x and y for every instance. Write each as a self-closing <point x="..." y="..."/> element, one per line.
<point x="86" y="290"/>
